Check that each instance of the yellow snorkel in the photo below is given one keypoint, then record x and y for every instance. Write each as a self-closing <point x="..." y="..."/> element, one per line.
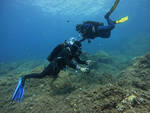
<point x="124" y="19"/>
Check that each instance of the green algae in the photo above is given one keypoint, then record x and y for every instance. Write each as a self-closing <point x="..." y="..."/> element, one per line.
<point x="114" y="85"/>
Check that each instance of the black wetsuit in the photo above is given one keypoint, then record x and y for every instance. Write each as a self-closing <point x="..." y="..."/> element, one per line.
<point x="59" y="58"/>
<point x="91" y="29"/>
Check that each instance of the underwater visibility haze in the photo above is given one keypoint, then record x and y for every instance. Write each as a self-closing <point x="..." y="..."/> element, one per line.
<point x="118" y="79"/>
<point x="31" y="28"/>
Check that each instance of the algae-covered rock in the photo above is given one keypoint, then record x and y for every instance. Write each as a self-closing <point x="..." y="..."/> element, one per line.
<point x="75" y="92"/>
<point x="97" y="99"/>
<point x="127" y="103"/>
<point x="137" y="74"/>
<point x="5" y="68"/>
<point x="64" y="83"/>
<point x="102" y="54"/>
<point x="103" y="57"/>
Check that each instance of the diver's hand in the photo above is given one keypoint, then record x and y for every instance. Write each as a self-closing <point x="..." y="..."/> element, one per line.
<point x="88" y="62"/>
<point x="84" y="69"/>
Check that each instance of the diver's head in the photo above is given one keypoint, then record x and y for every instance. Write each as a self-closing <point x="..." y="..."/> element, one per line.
<point x="72" y="40"/>
<point x="79" y="27"/>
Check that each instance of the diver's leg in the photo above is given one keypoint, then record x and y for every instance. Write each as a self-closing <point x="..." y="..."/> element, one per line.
<point x="19" y="91"/>
<point x="33" y="75"/>
<point x="46" y="71"/>
<point x="110" y="21"/>
<point x="52" y="69"/>
<point x="110" y="26"/>
<point x="107" y="16"/>
<point x="112" y="9"/>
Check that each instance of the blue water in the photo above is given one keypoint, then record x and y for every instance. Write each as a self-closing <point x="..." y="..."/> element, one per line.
<point x="32" y="28"/>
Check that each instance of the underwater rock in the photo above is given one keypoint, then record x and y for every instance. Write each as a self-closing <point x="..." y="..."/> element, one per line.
<point x="141" y="85"/>
<point x="100" y="59"/>
<point x="127" y="103"/>
<point x="5" y="68"/>
<point x="103" y="57"/>
<point x="95" y="92"/>
<point x="137" y="74"/>
<point x="97" y="100"/>
<point x="134" y="101"/>
<point x="63" y="84"/>
<point x="106" y="78"/>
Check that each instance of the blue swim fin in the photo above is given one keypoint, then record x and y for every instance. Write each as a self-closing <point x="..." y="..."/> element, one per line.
<point x="19" y="91"/>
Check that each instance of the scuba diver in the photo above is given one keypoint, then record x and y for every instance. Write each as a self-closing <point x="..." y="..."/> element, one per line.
<point x="91" y="29"/>
<point x="61" y="56"/>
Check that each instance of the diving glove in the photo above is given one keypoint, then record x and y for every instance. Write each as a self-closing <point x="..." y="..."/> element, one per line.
<point x="84" y="69"/>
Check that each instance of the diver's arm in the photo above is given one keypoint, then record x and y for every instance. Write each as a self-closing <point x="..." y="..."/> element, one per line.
<point x="77" y="67"/>
<point x="110" y="26"/>
<point x="80" y="61"/>
<point x="72" y="64"/>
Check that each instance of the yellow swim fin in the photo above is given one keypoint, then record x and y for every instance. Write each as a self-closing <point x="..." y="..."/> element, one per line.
<point x="121" y="20"/>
